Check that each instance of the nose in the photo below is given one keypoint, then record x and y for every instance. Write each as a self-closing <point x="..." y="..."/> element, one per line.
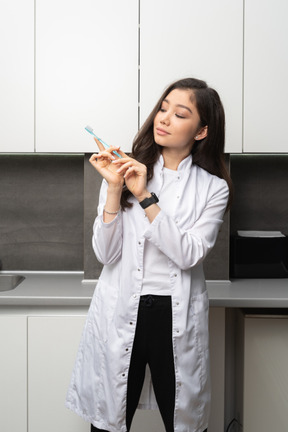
<point x="165" y="119"/>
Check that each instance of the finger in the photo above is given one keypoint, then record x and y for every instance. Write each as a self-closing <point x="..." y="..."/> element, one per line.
<point x="124" y="159"/>
<point x="108" y="154"/>
<point x="115" y="151"/>
<point x="124" y="155"/>
<point x="130" y="171"/>
<point x="99" y="144"/>
<point x="125" y="165"/>
<point x="94" y="157"/>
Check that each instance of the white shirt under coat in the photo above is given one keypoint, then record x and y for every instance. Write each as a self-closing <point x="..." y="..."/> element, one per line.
<point x="156" y="273"/>
<point x="184" y="232"/>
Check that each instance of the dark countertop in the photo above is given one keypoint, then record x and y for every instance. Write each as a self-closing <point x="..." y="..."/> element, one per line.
<point x="70" y="289"/>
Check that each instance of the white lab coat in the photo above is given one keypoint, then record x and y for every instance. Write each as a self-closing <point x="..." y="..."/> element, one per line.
<point x="99" y="382"/>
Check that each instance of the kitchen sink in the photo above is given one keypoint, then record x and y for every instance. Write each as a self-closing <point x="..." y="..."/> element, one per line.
<point x="9" y="282"/>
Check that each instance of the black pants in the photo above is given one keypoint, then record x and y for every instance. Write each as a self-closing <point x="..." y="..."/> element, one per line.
<point x="152" y="346"/>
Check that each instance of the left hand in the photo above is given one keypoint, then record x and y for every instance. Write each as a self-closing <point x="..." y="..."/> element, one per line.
<point x="102" y="163"/>
<point x="135" y="176"/>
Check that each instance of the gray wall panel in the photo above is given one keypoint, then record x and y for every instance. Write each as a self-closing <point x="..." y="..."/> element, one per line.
<point x="41" y="212"/>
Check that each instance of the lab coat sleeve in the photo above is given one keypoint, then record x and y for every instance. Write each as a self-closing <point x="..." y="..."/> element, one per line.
<point x="188" y="247"/>
<point x="107" y="237"/>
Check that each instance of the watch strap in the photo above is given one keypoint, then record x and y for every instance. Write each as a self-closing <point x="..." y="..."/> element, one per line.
<point x="149" y="201"/>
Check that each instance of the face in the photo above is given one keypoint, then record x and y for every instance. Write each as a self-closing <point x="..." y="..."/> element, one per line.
<point x="177" y="123"/>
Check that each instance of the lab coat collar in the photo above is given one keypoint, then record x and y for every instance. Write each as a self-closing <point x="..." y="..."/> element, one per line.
<point x="184" y="165"/>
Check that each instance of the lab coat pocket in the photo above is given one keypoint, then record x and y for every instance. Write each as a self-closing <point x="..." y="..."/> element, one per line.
<point x="103" y="309"/>
<point x="200" y="307"/>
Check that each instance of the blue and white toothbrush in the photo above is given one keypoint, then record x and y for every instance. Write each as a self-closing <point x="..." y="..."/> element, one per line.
<point x="90" y="130"/>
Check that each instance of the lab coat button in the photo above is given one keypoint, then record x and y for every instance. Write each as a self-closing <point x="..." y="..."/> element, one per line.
<point x="134" y="296"/>
<point x="175" y="274"/>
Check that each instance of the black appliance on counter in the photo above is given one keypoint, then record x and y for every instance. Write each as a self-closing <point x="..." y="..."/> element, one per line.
<point x="258" y="254"/>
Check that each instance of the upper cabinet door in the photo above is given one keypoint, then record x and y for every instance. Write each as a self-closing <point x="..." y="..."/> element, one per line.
<point x="17" y="76"/>
<point x="86" y="73"/>
<point x="204" y="39"/>
<point x="265" y="72"/>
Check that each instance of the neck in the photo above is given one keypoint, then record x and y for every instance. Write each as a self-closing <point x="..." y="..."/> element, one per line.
<point x="172" y="158"/>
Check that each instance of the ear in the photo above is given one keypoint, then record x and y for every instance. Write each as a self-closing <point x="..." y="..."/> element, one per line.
<point x="202" y="133"/>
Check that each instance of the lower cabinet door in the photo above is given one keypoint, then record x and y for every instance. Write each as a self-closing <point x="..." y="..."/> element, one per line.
<point x="13" y="373"/>
<point x="265" y="374"/>
<point x="52" y="346"/>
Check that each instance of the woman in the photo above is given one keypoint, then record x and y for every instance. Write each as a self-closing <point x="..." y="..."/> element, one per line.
<point x="159" y="214"/>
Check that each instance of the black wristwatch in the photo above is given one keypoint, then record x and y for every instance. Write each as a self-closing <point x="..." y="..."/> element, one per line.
<point x="149" y="201"/>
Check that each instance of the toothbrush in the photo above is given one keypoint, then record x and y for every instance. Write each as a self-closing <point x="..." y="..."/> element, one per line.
<point x="90" y="130"/>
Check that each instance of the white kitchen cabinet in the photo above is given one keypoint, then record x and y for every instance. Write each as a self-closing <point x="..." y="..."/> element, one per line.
<point x="265" y="76"/>
<point x="52" y="348"/>
<point x="265" y="374"/>
<point x="13" y="373"/>
<point x="204" y="40"/>
<point x="38" y="351"/>
<point x="17" y="76"/>
<point x="86" y="74"/>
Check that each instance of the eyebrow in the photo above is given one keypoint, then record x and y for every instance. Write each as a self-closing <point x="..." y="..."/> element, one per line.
<point x="179" y="106"/>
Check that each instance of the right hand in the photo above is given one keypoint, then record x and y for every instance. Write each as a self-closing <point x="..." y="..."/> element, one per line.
<point x="102" y="162"/>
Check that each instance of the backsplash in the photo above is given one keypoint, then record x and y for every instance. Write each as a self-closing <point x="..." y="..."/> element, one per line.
<point x="41" y="212"/>
<point x="48" y="204"/>
<point x="92" y="184"/>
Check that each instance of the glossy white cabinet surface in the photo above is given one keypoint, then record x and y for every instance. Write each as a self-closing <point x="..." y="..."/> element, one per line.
<point x="199" y="39"/>
<point x="13" y="373"/>
<point x="17" y="76"/>
<point x="265" y="72"/>
<point x="265" y="374"/>
<point x="45" y="318"/>
<point x="86" y="74"/>
<point x="52" y="348"/>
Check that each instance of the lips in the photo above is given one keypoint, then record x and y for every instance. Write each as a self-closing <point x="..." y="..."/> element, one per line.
<point x="162" y="132"/>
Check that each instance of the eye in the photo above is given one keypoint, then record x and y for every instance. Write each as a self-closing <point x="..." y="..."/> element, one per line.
<point x="180" y="116"/>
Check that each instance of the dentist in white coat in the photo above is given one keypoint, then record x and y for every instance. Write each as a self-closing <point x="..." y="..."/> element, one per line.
<point x="145" y="343"/>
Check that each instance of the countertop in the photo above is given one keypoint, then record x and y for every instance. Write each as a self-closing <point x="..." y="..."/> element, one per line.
<point x="71" y="289"/>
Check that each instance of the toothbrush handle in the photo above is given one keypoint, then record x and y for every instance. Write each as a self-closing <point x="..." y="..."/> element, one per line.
<point x="107" y="146"/>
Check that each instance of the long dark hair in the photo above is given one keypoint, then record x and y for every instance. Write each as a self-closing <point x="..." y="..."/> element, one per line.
<point x="207" y="153"/>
